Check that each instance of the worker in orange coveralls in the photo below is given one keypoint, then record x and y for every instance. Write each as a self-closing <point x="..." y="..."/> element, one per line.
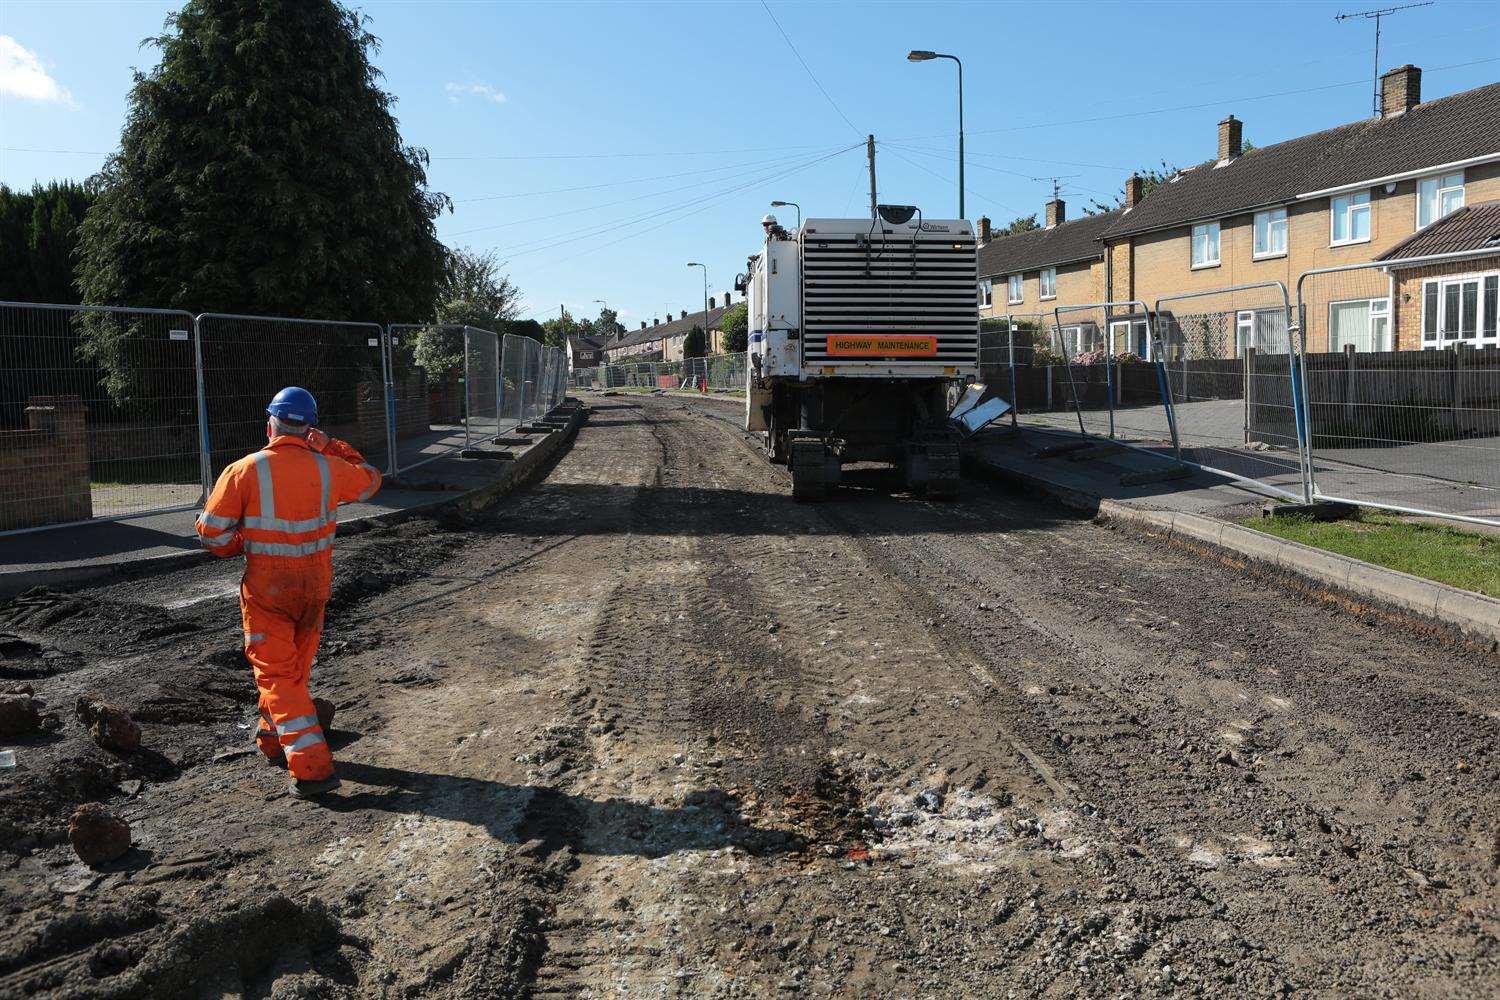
<point x="278" y="506"/>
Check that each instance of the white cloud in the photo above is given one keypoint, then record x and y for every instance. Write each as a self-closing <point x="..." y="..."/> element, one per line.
<point x="458" y="91"/>
<point x="22" y="75"/>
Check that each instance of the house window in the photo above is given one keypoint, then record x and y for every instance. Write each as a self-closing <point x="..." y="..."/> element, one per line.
<point x="1049" y="283"/>
<point x="1351" y="218"/>
<point x="1270" y="233"/>
<point x="986" y="292"/>
<point x="1263" y="329"/>
<point x="1363" y="323"/>
<point x="1439" y="196"/>
<point x="1013" y="289"/>
<point x="1130" y="335"/>
<point x="1461" y="310"/>
<point x="1206" y="244"/>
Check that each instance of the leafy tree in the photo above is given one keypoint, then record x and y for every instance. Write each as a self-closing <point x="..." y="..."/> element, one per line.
<point x="607" y="326"/>
<point x="473" y="293"/>
<point x="526" y="328"/>
<point x="557" y="330"/>
<point x="1020" y="224"/>
<point x="38" y="241"/>
<point x="695" y="344"/>
<point x="736" y="327"/>
<point x="260" y="170"/>
<point x="1151" y="177"/>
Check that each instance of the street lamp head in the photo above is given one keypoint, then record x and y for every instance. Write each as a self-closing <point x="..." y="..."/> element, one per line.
<point x="694" y="263"/>
<point x="778" y="204"/>
<point x="920" y="55"/>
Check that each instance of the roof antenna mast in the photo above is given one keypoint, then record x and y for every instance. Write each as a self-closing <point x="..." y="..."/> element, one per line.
<point x="1057" y="187"/>
<point x="1376" y="15"/>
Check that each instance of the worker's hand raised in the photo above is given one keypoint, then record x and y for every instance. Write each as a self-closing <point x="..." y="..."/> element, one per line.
<point x="316" y="439"/>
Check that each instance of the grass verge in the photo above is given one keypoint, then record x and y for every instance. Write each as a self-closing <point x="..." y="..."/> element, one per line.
<point x="1462" y="559"/>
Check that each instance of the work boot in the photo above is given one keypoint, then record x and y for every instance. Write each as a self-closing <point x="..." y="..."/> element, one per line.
<point x="300" y="789"/>
<point x="324" y="709"/>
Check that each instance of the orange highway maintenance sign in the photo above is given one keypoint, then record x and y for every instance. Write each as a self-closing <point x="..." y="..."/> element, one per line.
<point x="851" y="346"/>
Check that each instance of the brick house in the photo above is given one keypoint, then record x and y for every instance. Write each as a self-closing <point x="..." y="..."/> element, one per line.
<point x="1448" y="303"/>
<point x="584" y="352"/>
<point x="1345" y="195"/>
<point x="663" y="341"/>
<point x="1062" y="264"/>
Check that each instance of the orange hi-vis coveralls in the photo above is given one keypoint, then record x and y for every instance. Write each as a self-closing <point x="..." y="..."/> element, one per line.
<point x="278" y="507"/>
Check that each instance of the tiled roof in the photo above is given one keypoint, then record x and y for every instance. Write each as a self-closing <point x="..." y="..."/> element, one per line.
<point x="1471" y="228"/>
<point x="1446" y="130"/>
<point x="1065" y="243"/>
<point x="581" y="342"/>
<point x="669" y="329"/>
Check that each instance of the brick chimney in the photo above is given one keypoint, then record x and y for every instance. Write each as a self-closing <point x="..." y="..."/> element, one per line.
<point x="726" y="300"/>
<point x="1134" y="188"/>
<point x="1400" y="90"/>
<point x="713" y="302"/>
<point x="684" y="315"/>
<point x="1231" y="139"/>
<point x="984" y="229"/>
<point x="643" y="324"/>
<point x="1057" y="211"/>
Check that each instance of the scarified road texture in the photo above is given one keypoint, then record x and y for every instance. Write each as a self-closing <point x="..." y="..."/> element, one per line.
<point x="651" y="729"/>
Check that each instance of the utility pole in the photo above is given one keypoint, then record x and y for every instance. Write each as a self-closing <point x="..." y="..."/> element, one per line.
<point x="1376" y="15"/>
<point x="870" y="153"/>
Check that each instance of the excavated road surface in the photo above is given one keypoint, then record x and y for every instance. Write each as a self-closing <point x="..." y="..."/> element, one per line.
<point x="651" y="729"/>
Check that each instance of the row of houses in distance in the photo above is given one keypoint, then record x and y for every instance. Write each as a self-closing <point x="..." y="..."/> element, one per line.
<point x="658" y="340"/>
<point x="1418" y="179"/>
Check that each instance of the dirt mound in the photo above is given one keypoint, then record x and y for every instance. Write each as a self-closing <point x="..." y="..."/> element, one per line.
<point x="104" y="623"/>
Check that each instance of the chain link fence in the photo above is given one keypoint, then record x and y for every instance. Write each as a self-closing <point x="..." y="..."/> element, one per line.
<point x="112" y="412"/>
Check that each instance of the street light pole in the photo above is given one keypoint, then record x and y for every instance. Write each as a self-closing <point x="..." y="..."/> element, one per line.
<point x="793" y="204"/>
<point x="705" y="303"/>
<point x="922" y="55"/>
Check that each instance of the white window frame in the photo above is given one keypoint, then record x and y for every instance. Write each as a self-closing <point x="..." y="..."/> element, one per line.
<point x="1479" y="339"/>
<point x="1376" y="306"/>
<point x="1350" y="209"/>
<point x="1438" y="192"/>
<point x="1205" y="227"/>
<point x="986" y="292"/>
<point x="1270" y="213"/>
<point x="1042" y="283"/>
<point x="1015" y="289"/>
<point x="1126" y="329"/>
<point x="1246" y="332"/>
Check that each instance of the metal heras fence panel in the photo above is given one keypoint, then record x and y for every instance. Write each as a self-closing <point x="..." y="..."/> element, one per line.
<point x="1090" y="360"/>
<point x="99" y="414"/>
<point x="248" y="359"/>
<point x="513" y="380"/>
<point x="481" y="385"/>
<point x="426" y="391"/>
<point x="1229" y="358"/>
<point x="1401" y="369"/>
<point x="531" y="380"/>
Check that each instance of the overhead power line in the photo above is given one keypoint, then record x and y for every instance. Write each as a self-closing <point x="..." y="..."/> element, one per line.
<point x="611" y="204"/>
<point x="946" y="180"/>
<point x="685" y="209"/>
<point x="1185" y="107"/>
<point x="636" y="180"/>
<point x="811" y="75"/>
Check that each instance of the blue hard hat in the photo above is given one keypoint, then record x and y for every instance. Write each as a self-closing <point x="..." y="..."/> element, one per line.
<point x="294" y="404"/>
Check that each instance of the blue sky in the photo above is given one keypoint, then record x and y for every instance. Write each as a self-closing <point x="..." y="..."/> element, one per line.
<point x="599" y="147"/>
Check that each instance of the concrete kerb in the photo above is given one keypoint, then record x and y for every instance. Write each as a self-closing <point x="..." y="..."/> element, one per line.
<point x="1475" y="615"/>
<point x="515" y="473"/>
